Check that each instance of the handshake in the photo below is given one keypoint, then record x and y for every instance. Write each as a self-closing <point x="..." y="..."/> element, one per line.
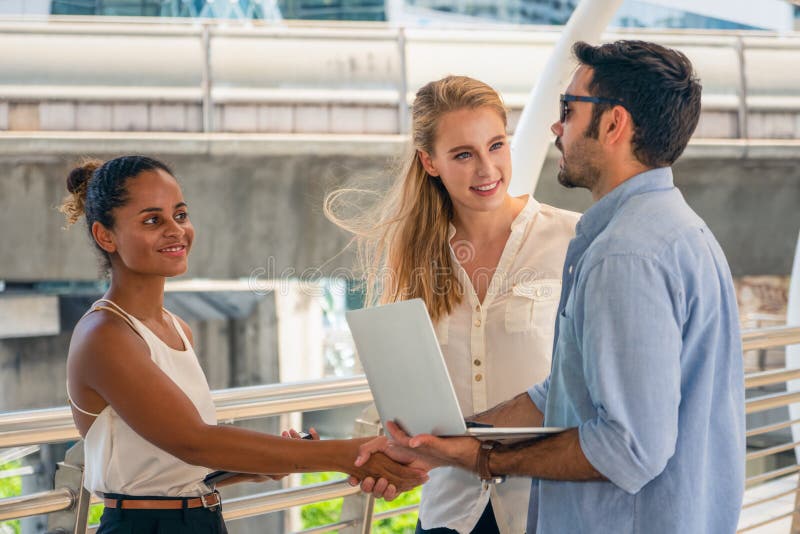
<point x="388" y="467"/>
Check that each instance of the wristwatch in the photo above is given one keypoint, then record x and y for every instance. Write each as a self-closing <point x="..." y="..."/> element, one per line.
<point x="482" y="463"/>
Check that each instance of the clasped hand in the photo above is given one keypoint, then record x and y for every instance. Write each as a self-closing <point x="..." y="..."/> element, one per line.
<point x="422" y="452"/>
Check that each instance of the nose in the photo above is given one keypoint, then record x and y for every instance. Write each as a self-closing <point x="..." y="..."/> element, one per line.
<point x="483" y="168"/>
<point x="557" y="129"/>
<point x="174" y="229"/>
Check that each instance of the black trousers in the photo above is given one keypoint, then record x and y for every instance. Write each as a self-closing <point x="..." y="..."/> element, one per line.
<point x="185" y="521"/>
<point x="486" y="525"/>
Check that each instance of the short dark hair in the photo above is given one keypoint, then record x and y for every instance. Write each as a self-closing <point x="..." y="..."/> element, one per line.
<point x="96" y="188"/>
<point x="659" y="89"/>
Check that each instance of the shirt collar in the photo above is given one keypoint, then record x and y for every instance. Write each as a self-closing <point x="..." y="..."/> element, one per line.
<point x="600" y="214"/>
<point x="520" y="222"/>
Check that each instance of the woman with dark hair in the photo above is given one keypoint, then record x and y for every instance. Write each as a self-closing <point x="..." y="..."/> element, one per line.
<point x="138" y="395"/>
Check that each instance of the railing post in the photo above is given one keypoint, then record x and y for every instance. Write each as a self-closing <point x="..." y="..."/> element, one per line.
<point x="793" y="361"/>
<point x="402" y="107"/>
<point x="742" y="90"/>
<point x="358" y="509"/>
<point x="795" y="528"/>
<point x="70" y="474"/>
<point x="207" y="82"/>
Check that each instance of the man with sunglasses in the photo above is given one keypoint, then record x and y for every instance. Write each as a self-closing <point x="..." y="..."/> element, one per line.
<point x="647" y="372"/>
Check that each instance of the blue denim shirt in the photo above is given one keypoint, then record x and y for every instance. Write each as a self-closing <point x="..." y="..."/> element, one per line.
<point x="647" y="364"/>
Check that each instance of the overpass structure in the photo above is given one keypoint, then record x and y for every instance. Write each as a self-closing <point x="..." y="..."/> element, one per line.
<point x="260" y="121"/>
<point x="117" y="75"/>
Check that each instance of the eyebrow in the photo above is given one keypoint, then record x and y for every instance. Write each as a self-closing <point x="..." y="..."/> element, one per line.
<point x="178" y="205"/>
<point x="467" y="147"/>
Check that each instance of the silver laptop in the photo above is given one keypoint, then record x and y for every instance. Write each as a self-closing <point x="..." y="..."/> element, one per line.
<point x="408" y="377"/>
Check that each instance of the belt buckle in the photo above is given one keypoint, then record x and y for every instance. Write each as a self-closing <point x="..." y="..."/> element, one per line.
<point x="210" y="506"/>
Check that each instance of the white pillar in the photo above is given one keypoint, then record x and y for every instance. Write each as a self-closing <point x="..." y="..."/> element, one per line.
<point x="300" y="349"/>
<point x="532" y="137"/>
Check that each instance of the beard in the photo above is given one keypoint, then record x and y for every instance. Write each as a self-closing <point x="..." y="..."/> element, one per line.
<point x="581" y="169"/>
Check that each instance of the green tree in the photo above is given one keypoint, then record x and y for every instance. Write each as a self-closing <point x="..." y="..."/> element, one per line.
<point x="10" y="487"/>
<point x="327" y="512"/>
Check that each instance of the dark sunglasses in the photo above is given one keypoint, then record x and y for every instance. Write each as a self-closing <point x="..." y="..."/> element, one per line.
<point x="565" y="98"/>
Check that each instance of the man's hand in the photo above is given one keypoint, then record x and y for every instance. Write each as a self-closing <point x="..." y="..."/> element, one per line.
<point x="393" y="478"/>
<point x="398" y="453"/>
<point x="422" y="452"/>
<point x="395" y="451"/>
<point x="456" y="451"/>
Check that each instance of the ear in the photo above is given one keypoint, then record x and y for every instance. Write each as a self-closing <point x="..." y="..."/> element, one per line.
<point x="104" y="237"/>
<point x="427" y="163"/>
<point x="616" y="126"/>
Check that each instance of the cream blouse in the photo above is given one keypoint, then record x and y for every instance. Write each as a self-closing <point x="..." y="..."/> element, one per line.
<point x="497" y="349"/>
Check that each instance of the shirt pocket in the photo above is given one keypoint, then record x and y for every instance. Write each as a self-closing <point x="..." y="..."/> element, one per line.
<point x="533" y="305"/>
<point x="442" y="329"/>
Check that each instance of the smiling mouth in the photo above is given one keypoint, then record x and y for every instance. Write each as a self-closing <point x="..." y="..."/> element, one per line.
<point x="486" y="187"/>
<point x="173" y="249"/>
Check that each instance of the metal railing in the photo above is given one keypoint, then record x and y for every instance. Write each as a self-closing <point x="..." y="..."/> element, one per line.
<point x="204" y="65"/>
<point x="54" y="425"/>
<point x="26" y="428"/>
<point x="775" y="480"/>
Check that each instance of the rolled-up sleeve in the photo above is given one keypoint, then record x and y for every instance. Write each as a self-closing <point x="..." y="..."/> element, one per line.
<point x="628" y="321"/>
<point x="538" y="394"/>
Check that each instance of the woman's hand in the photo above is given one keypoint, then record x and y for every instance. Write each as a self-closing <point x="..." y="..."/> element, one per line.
<point x="393" y="476"/>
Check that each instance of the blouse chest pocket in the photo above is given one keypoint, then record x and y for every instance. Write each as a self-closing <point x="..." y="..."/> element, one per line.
<point x="533" y="305"/>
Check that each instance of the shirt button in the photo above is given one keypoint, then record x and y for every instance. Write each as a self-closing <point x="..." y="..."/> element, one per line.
<point x="477" y="362"/>
<point x="477" y="322"/>
<point x="570" y="269"/>
<point x="478" y="308"/>
<point x="478" y="377"/>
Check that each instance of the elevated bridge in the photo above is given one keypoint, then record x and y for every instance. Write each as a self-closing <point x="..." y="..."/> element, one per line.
<point x="260" y="121"/>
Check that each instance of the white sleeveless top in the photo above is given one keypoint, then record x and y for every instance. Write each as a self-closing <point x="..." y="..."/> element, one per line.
<point x="117" y="459"/>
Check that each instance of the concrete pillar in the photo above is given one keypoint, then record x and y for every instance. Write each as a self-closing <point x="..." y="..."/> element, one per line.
<point x="300" y="349"/>
<point x="253" y="358"/>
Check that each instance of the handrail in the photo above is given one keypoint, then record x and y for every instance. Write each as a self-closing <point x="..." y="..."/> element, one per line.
<point x="772" y="336"/>
<point x="55" y="424"/>
<point x="43" y="502"/>
<point x="773" y="376"/>
<point x="51" y="425"/>
<point x="272" y="501"/>
<point x="768" y="402"/>
<point x="236" y="508"/>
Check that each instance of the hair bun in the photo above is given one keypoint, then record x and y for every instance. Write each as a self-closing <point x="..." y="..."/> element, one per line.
<point x="79" y="177"/>
<point x="77" y="182"/>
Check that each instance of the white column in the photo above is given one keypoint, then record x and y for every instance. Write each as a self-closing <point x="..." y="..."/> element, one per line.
<point x="532" y="137"/>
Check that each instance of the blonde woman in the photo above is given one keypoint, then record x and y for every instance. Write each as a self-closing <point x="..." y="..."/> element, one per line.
<point x="487" y="265"/>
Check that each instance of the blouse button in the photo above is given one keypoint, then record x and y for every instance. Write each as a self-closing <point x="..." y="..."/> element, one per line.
<point x="477" y="362"/>
<point x="477" y="322"/>
<point x="478" y="377"/>
<point x="478" y="308"/>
